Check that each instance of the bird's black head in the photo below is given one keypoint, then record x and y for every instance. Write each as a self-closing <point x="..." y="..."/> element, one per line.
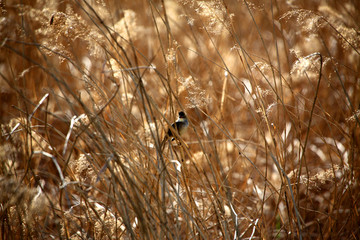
<point x="182" y="114"/>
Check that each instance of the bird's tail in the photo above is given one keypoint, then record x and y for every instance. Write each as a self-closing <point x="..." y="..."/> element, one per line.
<point x="163" y="143"/>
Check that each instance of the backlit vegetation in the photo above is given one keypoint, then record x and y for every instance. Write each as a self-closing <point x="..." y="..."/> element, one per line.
<point x="271" y="89"/>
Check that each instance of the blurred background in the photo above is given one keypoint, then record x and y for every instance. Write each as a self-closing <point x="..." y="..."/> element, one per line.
<point x="271" y="90"/>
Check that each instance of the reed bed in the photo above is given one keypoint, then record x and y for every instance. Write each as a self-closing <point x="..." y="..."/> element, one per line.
<point x="271" y="90"/>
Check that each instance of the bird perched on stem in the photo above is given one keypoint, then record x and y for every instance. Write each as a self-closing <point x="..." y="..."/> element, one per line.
<point x="180" y="126"/>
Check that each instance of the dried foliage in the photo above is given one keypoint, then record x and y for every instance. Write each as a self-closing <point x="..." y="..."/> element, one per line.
<point x="271" y="89"/>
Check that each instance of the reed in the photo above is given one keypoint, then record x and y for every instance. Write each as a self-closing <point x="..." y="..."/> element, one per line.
<point x="271" y="90"/>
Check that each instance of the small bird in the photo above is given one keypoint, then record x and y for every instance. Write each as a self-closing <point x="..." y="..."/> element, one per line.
<point x="180" y="126"/>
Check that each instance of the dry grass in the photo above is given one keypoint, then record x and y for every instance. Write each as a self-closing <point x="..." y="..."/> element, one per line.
<point x="271" y="89"/>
